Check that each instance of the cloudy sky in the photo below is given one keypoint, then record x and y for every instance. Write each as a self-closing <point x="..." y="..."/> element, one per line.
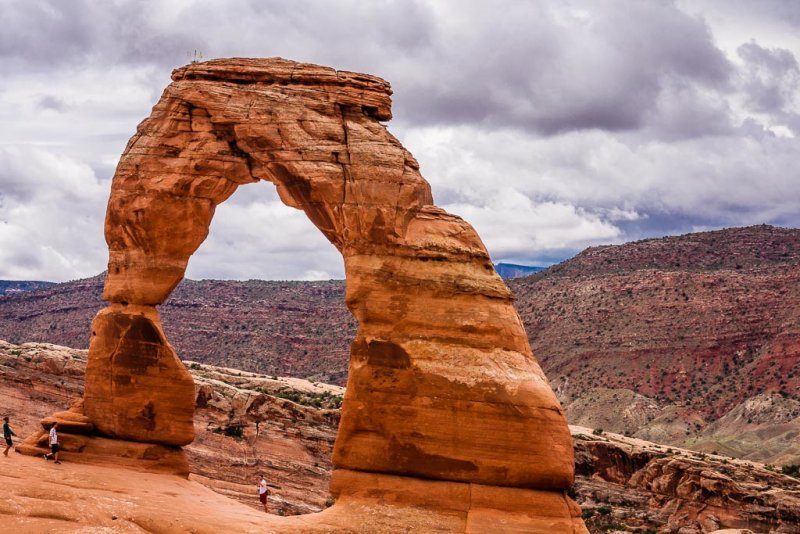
<point x="549" y="125"/>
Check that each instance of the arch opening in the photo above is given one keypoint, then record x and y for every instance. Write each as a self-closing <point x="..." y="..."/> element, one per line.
<point x="255" y="236"/>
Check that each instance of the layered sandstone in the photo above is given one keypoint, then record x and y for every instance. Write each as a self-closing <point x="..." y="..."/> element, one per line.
<point x="442" y="382"/>
<point x="703" y="321"/>
<point x="630" y="485"/>
<point x="287" y="427"/>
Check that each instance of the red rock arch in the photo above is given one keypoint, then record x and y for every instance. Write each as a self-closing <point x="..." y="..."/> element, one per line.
<point x="442" y="382"/>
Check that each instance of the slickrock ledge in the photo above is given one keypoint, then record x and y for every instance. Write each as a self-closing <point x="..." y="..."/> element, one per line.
<point x="442" y="385"/>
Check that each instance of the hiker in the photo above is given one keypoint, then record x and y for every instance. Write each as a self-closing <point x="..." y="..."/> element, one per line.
<point x="263" y="492"/>
<point x="53" y="444"/>
<point x="7" y="433"/>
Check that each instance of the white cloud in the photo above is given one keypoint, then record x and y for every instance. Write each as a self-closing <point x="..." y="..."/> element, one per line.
<point x="513" y="226"/>
<point x="737" y="178"/>
<point x="254" y="235"/>
<point x="51" y="216"/>
<point x="549" y="126"/>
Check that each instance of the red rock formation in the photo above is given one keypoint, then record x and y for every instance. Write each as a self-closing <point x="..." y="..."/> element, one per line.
<point x="292" y="445"/>
<point x="641" y="486"/>
<point x="442" y="382"/>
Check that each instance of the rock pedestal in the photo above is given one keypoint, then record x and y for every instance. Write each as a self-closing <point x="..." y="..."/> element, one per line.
<point x="443" y="385"/>
<point x="79" y="443"/>
<point x="136" y="387"/>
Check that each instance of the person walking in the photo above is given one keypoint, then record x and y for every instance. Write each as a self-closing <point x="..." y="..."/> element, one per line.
<point x="7" y="433"/>
<point x="263" y="492"/>
<point x="53" y="444"/>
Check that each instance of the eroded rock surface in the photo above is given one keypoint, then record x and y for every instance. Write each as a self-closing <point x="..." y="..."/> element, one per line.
<point x="627" y="484"/>
<point x="139" y="390"/>
<point x="442" y="382"/>
<point x="288" y="427"/>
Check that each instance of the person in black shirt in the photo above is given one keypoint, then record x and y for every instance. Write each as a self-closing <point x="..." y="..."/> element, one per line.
<point x="7" y="433"/>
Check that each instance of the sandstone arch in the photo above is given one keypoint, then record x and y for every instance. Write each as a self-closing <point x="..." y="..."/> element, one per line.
<point x="442" y="383"/>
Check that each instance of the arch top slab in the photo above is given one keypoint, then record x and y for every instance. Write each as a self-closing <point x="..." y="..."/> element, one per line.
<point x="442" y="382"/>
<point x="361" y="91"/>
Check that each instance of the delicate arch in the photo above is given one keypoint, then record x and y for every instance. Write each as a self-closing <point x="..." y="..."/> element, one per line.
<point x="442" y="382"/>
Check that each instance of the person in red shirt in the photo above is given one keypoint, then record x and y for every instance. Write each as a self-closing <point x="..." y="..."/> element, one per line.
<point x="263" y="492"/>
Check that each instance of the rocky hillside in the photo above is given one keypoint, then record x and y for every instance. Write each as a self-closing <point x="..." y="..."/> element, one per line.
<point x="248" y="423"/>
<point x="629" y="485"/>
<point x="661" y="338"/>
<point x="300" y="329"/>
<point x="706" y="319"/>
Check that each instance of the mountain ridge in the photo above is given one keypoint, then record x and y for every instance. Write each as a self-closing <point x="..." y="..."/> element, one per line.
<point x="11" y="287"/>
<point x="513" y="270"/>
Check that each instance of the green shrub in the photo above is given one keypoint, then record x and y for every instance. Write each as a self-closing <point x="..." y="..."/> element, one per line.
<point x="325" y="400"/>
<point x="793" y="470"/>
<point x="232" y="431"/>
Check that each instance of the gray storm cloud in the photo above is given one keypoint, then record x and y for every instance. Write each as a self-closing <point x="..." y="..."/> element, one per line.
<point x="550" y="125"/>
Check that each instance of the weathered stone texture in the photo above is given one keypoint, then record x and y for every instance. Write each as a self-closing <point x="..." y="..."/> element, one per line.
<point x="443" y="384"/>
<point x="139" y="389"/>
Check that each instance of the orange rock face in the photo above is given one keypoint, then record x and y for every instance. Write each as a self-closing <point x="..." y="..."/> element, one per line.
<point x="442" y="383"/>
<point x="139" y="390"/>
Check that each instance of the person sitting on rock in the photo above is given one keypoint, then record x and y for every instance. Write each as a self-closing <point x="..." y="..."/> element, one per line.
<point x="263" y="492"/>
<point x="53" y="445"/>
<point x="7" y="433"/>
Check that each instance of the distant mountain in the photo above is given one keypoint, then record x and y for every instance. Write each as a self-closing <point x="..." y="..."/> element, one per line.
<point x="10" y="287"/>
<point x="298" y="329"/>
<point x="659" y="338"/>
<point x="512" y="270"/>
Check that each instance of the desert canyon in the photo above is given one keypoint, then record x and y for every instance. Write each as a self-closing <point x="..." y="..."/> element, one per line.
<point x="447" y="424"/>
